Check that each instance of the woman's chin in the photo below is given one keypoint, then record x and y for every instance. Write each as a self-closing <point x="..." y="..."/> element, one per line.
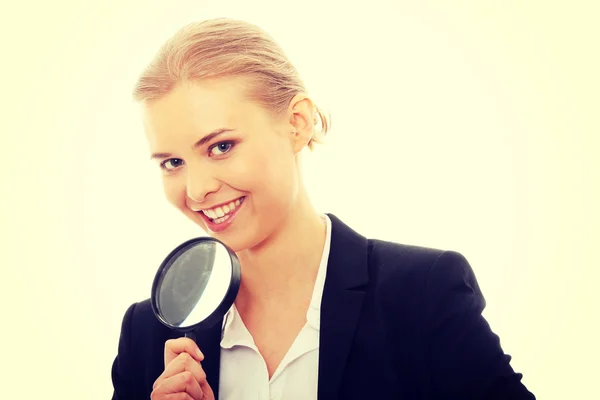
<point x="235" y="244"/>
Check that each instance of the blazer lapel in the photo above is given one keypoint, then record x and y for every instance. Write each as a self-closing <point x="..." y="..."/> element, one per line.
<point x="343" y="294"/>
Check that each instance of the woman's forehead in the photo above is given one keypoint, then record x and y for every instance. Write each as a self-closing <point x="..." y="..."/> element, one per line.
<point x="198" y="99"/>
<point x="185" y="115"/>
<point x="194" y="107"/>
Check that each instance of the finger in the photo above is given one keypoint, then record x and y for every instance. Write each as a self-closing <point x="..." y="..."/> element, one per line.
<point x="207" y="390"/>
<point x="183" y="362"/>
<point x="178" y="396"/>
<point x="171" y="396"/>
<point x="174" y="347"/>
<point x="183" y="382"/>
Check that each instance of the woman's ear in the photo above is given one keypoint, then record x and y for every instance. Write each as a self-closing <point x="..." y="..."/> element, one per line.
<point x="301" y="111"/>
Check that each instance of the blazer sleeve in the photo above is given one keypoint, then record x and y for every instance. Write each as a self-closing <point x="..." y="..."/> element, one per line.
<point x="464" y="356"/>
<point x="124" y="372"/>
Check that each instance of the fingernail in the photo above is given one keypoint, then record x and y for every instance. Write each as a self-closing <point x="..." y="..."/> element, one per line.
<point x="199" y="353"/>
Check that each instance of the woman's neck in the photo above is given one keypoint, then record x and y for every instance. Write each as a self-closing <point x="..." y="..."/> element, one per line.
<point x="285" y="265"/>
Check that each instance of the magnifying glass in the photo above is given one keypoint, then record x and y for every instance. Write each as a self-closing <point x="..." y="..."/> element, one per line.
<point x="196" y="285"/>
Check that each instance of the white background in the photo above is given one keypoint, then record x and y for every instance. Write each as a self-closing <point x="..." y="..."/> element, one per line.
<point x="470" y="126"/>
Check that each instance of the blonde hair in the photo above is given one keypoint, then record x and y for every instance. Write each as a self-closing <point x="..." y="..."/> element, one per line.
<point x="226" y="47"/>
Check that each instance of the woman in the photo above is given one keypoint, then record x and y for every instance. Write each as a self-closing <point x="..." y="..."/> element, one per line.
<point x="322" y="312"/>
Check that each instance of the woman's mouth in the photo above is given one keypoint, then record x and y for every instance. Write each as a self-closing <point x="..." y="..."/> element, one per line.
<point x="218" y="218"/>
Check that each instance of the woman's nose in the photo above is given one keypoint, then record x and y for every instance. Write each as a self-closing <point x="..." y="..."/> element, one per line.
<point x="200" y="185"/>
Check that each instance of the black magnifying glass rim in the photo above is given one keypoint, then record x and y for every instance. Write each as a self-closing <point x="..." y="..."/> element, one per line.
<point x="225" y="304"/>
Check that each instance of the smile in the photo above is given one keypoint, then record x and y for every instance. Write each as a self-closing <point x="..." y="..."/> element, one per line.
<point x="222" y="213"/>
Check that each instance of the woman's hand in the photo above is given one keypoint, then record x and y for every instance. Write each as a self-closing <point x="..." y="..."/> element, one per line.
<point x="183" y="377"/>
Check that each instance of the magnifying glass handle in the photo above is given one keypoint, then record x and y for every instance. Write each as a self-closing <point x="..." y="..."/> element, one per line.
<point x="191" y="335"/>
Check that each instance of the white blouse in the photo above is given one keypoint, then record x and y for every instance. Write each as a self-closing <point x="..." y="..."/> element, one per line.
<point x="244" y="374"/>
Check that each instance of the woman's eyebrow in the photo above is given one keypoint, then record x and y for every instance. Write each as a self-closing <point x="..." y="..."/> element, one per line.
<point x="199" y="143"/>
<point x="211" y="136"/>
<point x="156" y="156"/>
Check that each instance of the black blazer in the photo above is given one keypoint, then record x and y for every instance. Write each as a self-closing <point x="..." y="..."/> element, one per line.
<point x="397" y="322"/>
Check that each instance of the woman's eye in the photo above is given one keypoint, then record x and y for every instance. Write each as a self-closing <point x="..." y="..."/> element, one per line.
<point x="171" y="163"/>
<point x="220" y="148"/>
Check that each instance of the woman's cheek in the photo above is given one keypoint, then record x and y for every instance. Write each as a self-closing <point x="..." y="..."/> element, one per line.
<point x="175" y="192"/>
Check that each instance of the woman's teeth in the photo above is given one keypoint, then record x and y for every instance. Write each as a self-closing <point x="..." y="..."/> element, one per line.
<point x="222" y="213"/>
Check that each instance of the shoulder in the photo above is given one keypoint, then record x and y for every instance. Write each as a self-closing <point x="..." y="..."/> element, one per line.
<point x="410" y="277"/>
<point x="142" y="333"/>
<point x="142" y="325"/>
<point x="436" y="292"/>
<point x="402" y="256"/>
<point x="409" y="262"/>
<point x="139" y="312"/>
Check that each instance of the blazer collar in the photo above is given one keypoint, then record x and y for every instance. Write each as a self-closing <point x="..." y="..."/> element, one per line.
<point x="345" y="283"/>
<point x="343" y="294"/>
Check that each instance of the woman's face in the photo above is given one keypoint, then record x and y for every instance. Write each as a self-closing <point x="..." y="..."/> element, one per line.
<point x="226" y="163"/>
